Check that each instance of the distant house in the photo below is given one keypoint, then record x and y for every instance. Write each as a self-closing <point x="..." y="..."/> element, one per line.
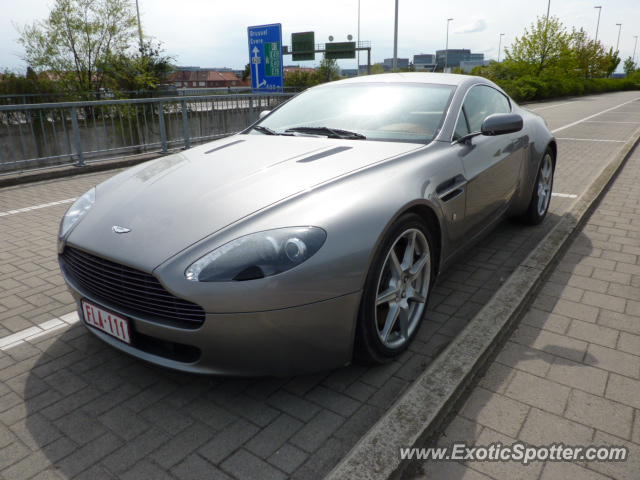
<point x="204" y="78"/>
<point x="294" y="68"/>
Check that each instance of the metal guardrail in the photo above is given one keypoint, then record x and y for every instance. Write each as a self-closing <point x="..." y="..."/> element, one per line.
<point x="55" y="134"/>
<point x="170" y="91"/>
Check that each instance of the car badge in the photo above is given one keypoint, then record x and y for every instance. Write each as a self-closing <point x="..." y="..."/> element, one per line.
<point x="118" y="229"/>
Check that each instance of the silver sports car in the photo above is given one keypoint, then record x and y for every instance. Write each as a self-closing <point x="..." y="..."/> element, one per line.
<point x="312" y="237"/>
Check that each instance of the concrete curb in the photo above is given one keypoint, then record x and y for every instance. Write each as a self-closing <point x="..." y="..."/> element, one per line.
<point x="39" y="175"/>
<point x="422" y="409"/>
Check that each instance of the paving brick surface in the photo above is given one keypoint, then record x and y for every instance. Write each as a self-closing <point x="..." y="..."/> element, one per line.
<point x="574" y="357"/>
<point x="71" y="407"/>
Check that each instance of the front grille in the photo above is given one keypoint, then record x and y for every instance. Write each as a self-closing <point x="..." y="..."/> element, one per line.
<point x="130" y="289"/>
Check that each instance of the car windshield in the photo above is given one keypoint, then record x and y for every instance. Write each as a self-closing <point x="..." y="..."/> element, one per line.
<point x="401" y="112"/>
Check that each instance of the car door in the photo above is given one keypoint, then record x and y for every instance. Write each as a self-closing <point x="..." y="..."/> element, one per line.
<point x="491" y="163"/>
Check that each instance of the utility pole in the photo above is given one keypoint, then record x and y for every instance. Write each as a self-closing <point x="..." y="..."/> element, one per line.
<point x="500" y="46"/>
<point x="548" y="9"/>
<point x="446" y="48"/>
<point x="634" y="48"/>
<point x="598" y="24"/>
<point x="139" y="28"/>
<point x="394" y="66"/>
<point x="619" y="25"/>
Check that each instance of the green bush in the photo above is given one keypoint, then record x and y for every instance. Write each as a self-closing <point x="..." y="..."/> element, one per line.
<point x="528" y="88"/>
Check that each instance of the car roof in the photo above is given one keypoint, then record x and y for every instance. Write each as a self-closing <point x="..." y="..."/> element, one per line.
<point x="417" y="77"/>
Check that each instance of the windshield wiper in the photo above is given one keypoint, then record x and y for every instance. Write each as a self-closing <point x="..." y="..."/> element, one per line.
<point x="265" y="130"/>
<point x="329" y="132"/>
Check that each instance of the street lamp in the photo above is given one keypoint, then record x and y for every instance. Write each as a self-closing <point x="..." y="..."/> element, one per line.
<point x="358" y="45"/>
<point x="500" y="46"/>
<point x="619" y="25"/>
<point x="634" y="48"/>
<point x="395" y="42"/>
<point x="446" y="48"/>
<point x="139" y="27"/>
<point x="598" y="24"/>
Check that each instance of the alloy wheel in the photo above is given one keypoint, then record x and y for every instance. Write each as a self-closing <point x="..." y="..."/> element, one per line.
<point x="545" y="181"/>
<point x="402" y="288"/>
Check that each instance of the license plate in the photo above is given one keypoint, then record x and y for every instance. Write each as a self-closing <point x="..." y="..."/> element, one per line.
<point x="108" y="322"/>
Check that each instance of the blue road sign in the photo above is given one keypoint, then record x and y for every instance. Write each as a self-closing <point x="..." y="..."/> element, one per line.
<point x="265" y="57"/>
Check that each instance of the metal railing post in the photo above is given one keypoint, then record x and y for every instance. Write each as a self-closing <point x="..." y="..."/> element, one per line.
<point x="76" y="136"/>
<point x="185" y="125"/>
<point x="163" y="128"/>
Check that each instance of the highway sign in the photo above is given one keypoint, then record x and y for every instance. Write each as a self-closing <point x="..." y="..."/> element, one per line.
<point x="303" y="42"/>
<point x="265" y="57"/>
<point x="340" y="50"/>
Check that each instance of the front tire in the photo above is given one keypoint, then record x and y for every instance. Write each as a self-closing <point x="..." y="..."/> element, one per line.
<point x="541" y="196"/>
<point x="396" y="291"/>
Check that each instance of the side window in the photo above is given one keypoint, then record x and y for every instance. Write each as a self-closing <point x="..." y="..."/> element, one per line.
<point x="481" y="102"/>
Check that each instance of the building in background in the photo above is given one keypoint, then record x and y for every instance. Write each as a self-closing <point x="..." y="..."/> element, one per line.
<point x="403" y="63"/>
<point x="454" y="56"/>
<point x="198" y="77"/>
<point x="468" y="65"/>
<point x="349" y="72"/>
<point x="424" y="62"/>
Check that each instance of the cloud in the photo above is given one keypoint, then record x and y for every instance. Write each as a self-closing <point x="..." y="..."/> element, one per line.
<point x="477" y="26"/>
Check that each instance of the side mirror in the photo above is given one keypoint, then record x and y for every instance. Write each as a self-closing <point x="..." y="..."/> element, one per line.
<point x="501" y="123"/>
<point x="263" y="114"/>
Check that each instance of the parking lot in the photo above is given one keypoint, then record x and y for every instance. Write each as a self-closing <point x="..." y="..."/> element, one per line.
<point x="71" y="407"/>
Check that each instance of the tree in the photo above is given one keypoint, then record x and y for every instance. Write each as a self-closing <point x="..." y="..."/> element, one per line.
<point x="629" y="66"/>
<point x="588" y="55"/>
<point x="609" y="62"/>
<point x="302" y="79"/>
<point x="77" y="38"/>
<point x="247" y="72"/>
<point x="377" y="68"/>
<point x="328" y="70"/>
<point x="545" y="46"/>
<point x="31" y="83"/>
<point x="145" y="70"/>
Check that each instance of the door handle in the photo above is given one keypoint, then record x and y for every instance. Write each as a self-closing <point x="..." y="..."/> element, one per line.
<point x="451" y="188"/>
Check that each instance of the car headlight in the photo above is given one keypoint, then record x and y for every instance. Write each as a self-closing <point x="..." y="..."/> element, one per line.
<point x="78" y="210"/>
<point x="258" y="255"/>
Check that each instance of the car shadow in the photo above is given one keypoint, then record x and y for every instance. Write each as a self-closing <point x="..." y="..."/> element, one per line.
<point x="96" y="412"/>
<point x="533" y="346"/>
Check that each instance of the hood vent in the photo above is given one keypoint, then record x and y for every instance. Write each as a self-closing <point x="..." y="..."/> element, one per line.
<point x="326" y="153"/>
<point x="223" y="146"/>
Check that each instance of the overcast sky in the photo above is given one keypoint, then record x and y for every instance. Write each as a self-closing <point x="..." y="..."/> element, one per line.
<point x="212" y="33"/>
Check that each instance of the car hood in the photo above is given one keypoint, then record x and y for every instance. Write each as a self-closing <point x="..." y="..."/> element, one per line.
<point x="175" y="201"/>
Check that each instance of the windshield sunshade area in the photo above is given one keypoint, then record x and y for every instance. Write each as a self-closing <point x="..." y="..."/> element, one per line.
<point x="401" y="112"/>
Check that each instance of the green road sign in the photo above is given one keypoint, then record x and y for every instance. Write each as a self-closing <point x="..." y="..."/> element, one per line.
<point x="340" y="50"/>
<point x="272" y="65"/>
<point x="303" y="42"/>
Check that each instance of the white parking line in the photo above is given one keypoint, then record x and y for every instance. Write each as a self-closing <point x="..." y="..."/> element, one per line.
<point x="31" y="333"/>
<point x="564" y="195"/>
<point x="608" y="121"/>
<point x="573" y="124"/>
<point x="590" y="139"/>
<point x="36" y="207"/>
<point x="550" y="106"/>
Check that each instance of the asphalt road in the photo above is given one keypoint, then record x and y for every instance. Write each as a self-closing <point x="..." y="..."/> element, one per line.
<point x="70" y="407"/>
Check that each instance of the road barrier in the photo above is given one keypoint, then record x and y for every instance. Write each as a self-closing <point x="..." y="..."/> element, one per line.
<point x="54" y="134"/>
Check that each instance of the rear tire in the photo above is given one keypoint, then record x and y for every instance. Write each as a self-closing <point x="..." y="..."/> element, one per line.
<point x="541" y="195"/>
<point x="396" y="291"/>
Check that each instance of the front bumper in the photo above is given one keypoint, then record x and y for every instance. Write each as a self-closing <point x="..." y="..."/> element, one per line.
<point x="303" y="339"/>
